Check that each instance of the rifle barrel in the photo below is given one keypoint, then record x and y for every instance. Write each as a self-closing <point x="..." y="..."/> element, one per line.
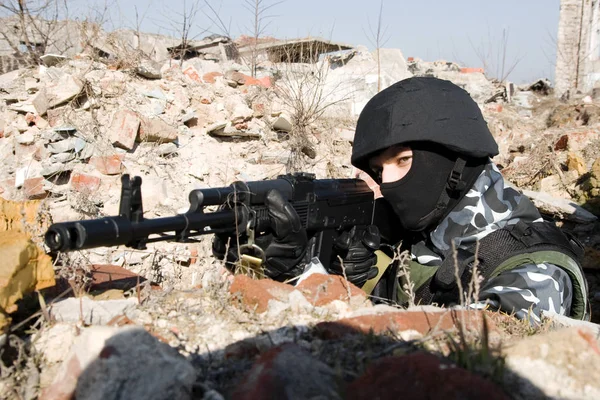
<point x="115" y="231"/>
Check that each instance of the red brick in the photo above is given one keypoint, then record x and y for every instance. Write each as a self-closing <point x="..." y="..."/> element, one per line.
<point x="420" y="376"/>
<point x="210" y="77"/>
<point x="192" y="74"/>
<point x="420" y="321"/>
<point x="85" y="183"/>
<point x="34" y="188"/>
<point x="561" y="143"/>
<point x="108" y="165"/>
<point x="266" y="81"/>
<point x="205" y="100"/>
<point x="106" y="276"/>
<point x="250" y="81"/>
<point x="124" y="129"/>
<point x="493" y="107"/>
<point x="30" y="118"/>
<point x="471" y="70"/>
<point x="256" y="293"/>
<point x="410" y="59"/>
<point x="320" y="289"/>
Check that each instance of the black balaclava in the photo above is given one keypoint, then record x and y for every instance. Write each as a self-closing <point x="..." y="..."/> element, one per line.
<point x="438" y="178"/>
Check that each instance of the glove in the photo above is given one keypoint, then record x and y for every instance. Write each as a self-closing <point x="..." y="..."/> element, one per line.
<point x="284" y="249"/>
<point x="357" y="251"/>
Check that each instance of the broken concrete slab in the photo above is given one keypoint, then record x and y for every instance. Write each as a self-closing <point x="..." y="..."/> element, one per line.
<point x="90" y="312"/>
<point x="65" y="145"/>
<point x="108" y="165"/>
<point x="8" y="79"/>
<point x="124" y="129"/>
<point x="149" y="69"/>
<point x="166" y="149"/>
<point x="34" y="188"/>
<point x="156" y="130"/>
<point x="560" y="208"/>
<point x="282" y="123"/>
<point x="217" y="128"/>
<point x="59" y="92"/>
<point x="62" y="158"/>
<point x="50" y="60"/>
<point x="572" y="373"/>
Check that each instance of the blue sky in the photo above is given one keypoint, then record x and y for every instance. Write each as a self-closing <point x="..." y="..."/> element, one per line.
<point x="465" y="31"/>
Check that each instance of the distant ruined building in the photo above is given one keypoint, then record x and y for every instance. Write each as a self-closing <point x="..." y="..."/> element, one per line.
<point x="578" y="47"/>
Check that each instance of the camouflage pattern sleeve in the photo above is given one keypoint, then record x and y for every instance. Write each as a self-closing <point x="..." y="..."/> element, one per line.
<point x="528" y="290"/>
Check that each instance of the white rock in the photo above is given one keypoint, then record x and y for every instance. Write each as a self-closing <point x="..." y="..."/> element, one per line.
<point x="298" y="302"/>
<point x="564" y="209"/>
<point x="62" y="146"/>
<point x="26" y="138"/>
<point x="62" y="158"/>
<point x="92" y="312"/>
<point x="55" y="341"/>
<point x="282" y="123"/>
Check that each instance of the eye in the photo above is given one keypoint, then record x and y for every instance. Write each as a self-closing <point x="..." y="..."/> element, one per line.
<point x="404" y="160"/>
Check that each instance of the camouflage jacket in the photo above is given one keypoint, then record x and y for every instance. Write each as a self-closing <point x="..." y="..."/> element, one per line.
<point x="545" y="281"/>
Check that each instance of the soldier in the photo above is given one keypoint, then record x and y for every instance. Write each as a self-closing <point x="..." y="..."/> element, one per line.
<point x="426" y="144"/>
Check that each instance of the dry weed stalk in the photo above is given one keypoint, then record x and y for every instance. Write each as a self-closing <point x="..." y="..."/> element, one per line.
<point x="403" y="275"/>
<point x="303" y="89"/>
<point x="258" y="10"/>
<point x="345" y="282"/>
<point x="476" y="279"/>
<point x="74" y="267"/>
<point x="479" y="357"/>
<point x="34" y="28"/>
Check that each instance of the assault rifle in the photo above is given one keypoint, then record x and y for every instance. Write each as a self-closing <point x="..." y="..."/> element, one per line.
<point x="326" y="207"/>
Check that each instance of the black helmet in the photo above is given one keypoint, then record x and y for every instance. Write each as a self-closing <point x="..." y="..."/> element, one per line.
<point x="422" y="109"/>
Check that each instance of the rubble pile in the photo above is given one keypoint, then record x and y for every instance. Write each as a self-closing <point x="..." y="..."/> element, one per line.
<point x="69" y="130"/>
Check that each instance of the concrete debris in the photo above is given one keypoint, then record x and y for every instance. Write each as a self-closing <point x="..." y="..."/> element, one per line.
<point x="124" y="129"/>
<point x="560" y="208"/>
<point x="216" y="129"/>
<point x="535" y="372"/>
<point x="156" y="130"/>
<point x="166" y="149"/>
<point x="90" y="312"/>
<point x="282" y="123"/>
<point x="51" y="60"/>
<point x="108" y="165"/>
<point x="149" y="69"/>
